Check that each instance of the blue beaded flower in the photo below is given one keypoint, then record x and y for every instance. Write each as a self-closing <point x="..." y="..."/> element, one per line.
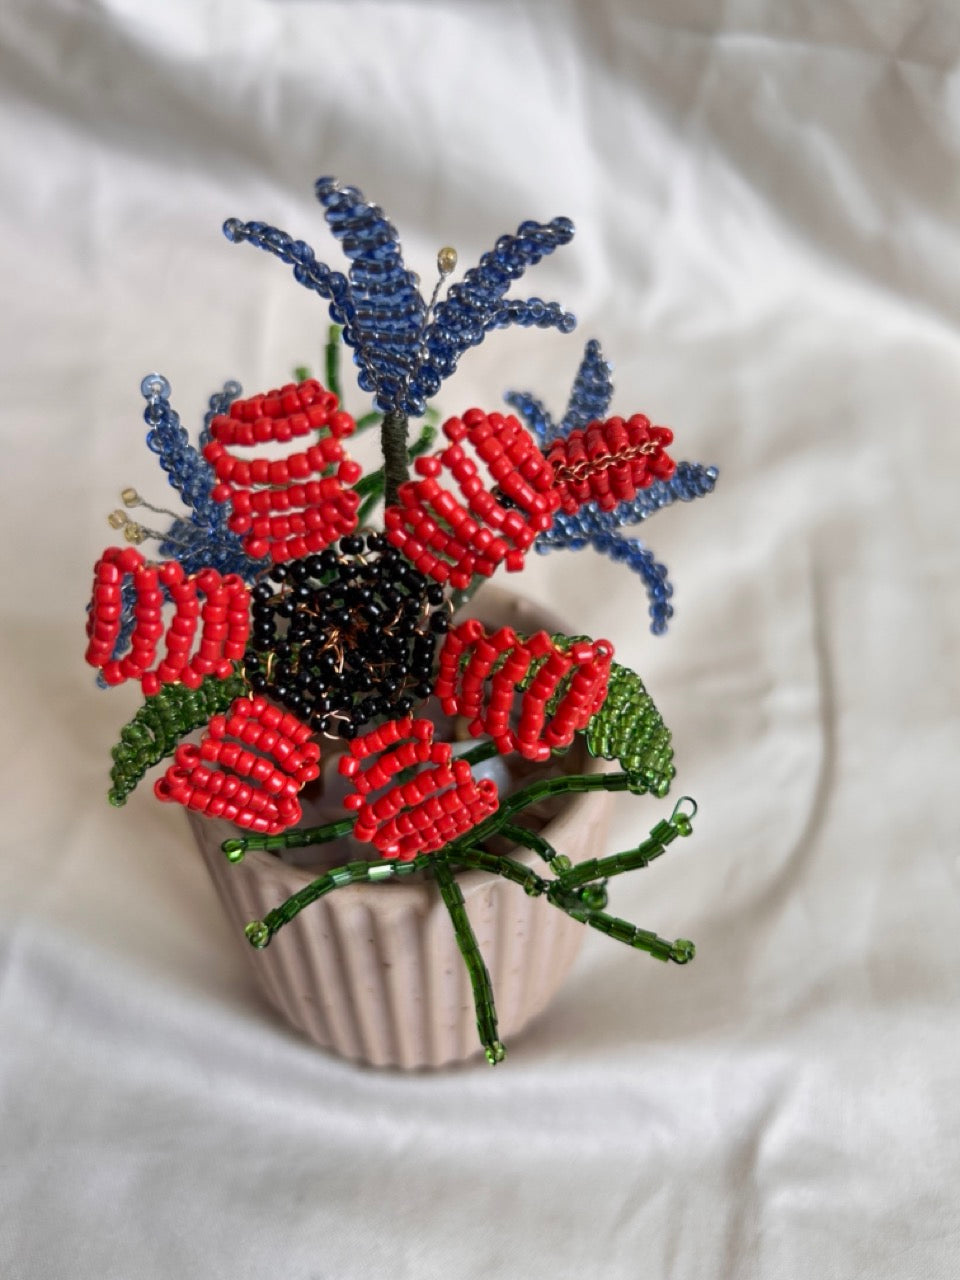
<point x="589" y="526"/>
<point x="402" y="349"/>
<point x="202" y="538"/>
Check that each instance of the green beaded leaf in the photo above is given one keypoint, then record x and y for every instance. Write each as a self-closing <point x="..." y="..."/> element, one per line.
<point x="159" y="725"/>
<point x="629" y="728"/>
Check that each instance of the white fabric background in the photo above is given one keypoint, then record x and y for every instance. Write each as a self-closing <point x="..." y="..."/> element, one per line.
<point x="766" y="197"/>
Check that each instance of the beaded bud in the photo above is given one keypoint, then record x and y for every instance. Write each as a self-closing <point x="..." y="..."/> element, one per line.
<point x="222" y="618"/>
<point x="530" y="695"/>
<point x="248" y="768"/>
<point x="439" y="802"/>
<point x="294" y="506"/>
<point x="454" y="541"/>
<point x="607" y="462"/>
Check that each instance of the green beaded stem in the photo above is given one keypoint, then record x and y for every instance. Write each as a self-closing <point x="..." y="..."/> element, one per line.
<point x="479" y="974"/>
<point x="296" y="838"/>
<point x="533" y="840"/>
<point x="367" y="421"/>
<point x="161" y="723"/>
<point x="628" y="728"/>
<point x="332" y="359"/>
<point x="371" y="483"/>
<point x="662" y="835"/>
<point x="259" y="932"/>
<point x="501" y="865"/>
<point x="680" y="951"/>
<point x="367" y="508"/>
<point x="482" y="751"/>
<point x="579" y="891"/>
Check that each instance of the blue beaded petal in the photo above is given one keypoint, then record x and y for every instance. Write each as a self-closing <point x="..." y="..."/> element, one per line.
<point x="401" y="359"/>
<point x="388" y="309"/>
<point x="202" y="538"/>
<point x="591" y="393"/>
<point x="476" y="305"/>
<point x="533" y="412"/>
<point x="590" y="526"/>
<point x="630" y="550"/>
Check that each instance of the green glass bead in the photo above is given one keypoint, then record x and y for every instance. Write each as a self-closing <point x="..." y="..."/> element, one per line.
<point x="682" y="951"/>
<point x="593" y="897"/>
<point x="683" y="825"/>
<point x="233" y="850"/>
<point x="258" y="934"/>
<point x="495" y="1053"/>
<point x="561" y="863"/>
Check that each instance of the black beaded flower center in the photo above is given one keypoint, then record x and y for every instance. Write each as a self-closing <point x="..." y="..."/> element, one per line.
<point x="347" y="636"/>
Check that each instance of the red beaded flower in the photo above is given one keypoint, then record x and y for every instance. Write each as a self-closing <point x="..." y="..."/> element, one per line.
<point x="607" y="462"/>
<point x="248" y="768"/>
<point x="294" y="506"/>
<point x="531" y="696"/>
<point x="441" y="802"/>
<point x="223" y="618"/>
<point x="451" y="540"/>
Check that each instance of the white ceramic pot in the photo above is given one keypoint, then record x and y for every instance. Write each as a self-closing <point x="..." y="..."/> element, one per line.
<point x="372" y="971"/>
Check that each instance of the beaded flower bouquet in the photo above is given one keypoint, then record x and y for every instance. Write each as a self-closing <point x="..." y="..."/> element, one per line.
<point x="283" y="630"/>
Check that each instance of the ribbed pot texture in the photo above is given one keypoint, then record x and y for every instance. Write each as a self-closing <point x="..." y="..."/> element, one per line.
<point x="372" y="971"/>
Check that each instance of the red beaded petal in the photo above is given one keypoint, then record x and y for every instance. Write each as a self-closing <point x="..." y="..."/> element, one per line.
<point x="248" y="767"/>
<point x="103" y="619"/>
<point x="223" y="620"/>
<point x="607" y="462"/>
<point x="454" y="541"/>
<point x="441" y="801"/>
<point x="480" y="674"/>
<point x="293" y="506"/>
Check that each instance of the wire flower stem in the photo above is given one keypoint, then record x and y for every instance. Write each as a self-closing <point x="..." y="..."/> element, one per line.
<point x="536" y="842"/>
<point x="259" y="932"/>
<point x="477" y="969"/>
<point x="297" y="838"/>
<point x="502" y="865"/>
<point x="663" y="834"/>
<point x="393" y="446"/>
<point x="332" y="360"/>
<point x="680" y="951"/>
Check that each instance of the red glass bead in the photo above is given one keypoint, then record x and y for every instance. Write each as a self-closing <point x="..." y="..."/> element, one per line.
<point x="474" y="681"/>
<point x="294" y="410"/>
<point x="607" y="462"/>
<point x="264" y="784"/>
<point x="443" y="800"/>
<point x="486" y="532"/>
